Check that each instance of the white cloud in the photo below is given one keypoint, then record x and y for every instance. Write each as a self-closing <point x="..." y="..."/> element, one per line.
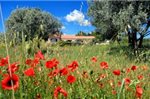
<point x="63" y="27"/>
<point x="86" y="23"/>
<point x="77" y="16"/>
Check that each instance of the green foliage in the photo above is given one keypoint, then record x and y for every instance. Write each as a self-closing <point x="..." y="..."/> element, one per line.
<point x="102" y="17"/>
<point x="2" y="40"/>
<point x="60" y="43"/>
<point x="98" y="36"/>
<point x="143" y="55"/>
<point x="113" y="17"/>
<point x="128" y="16"/>
<point x="81" y="33"/>
<point x="35" y="44"/>
<point x="32" y="22"/>
<point x="68" y="43"/>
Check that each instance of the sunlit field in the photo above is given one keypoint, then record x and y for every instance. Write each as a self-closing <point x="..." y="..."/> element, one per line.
<point x="75" y="49"/>
<point x="73" y="72"/>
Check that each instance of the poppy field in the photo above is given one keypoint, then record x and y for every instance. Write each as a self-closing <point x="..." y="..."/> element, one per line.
<point x="73" y="72"/>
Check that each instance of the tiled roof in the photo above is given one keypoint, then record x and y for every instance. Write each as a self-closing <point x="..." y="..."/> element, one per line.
<point x="73" y="37"/>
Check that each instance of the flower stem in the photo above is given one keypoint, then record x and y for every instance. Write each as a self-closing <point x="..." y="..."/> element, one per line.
<point x="1" y="13"/>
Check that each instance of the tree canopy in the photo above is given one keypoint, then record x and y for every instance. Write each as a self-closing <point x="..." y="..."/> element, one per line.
<point x="31" y="22"/>
<point x="114" y="17"/>
<point x="81" y="33"/>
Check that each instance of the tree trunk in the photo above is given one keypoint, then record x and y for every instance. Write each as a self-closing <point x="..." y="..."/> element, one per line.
<point x="141" y="41"/>
<point x="134" y="40"/>
<point x="129" y="39"/>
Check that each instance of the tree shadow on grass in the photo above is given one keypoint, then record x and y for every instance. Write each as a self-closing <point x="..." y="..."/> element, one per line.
<point x="142" y="54"/>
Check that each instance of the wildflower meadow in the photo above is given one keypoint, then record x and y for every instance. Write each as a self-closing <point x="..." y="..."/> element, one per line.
<point x="74" y="49"/>
<point x="75" y="72"/>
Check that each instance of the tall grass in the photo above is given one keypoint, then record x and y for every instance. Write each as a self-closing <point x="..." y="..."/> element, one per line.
<point x="84" y="87"/>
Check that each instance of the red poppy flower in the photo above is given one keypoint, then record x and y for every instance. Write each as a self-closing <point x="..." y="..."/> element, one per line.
<point x="127" y="70"/>
<point x="116" y="72"/>
<point x="114" y="92"/>
<point x="104" y="65"/>
<point x="94" y="59"/>
<point x="133" y="68"/>
<point x="29" y="72"/>
<point x="63" y="71"/>
<point x="51" y="63"/>
<point x="33" y="62"/>
<point x="4" y="61"/>
<point x="73" y="66"/>
<point x="140" y="77"/>
<point x="28" y="62"/>
<point x="59" y="90"/>
<point x="39" y="55"/>
<point x="10" y="83"/>
<point x="127" y="81"/>
<point x="139" y="91"/>
<point x="13" y="67"/>
<point x="53" y="73"/>
<point x="71" y="79"/>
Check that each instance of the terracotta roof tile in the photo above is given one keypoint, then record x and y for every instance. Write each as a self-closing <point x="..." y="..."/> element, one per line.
<point x="73" y="37"/>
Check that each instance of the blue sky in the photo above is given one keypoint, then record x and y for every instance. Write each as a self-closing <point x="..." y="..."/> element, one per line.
<point x="72" y="14"/>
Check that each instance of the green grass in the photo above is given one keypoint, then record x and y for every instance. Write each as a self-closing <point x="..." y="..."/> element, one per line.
<point x="83" y="88"/>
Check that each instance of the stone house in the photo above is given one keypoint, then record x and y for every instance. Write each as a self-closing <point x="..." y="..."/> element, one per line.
<point x="72" y="38"/>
